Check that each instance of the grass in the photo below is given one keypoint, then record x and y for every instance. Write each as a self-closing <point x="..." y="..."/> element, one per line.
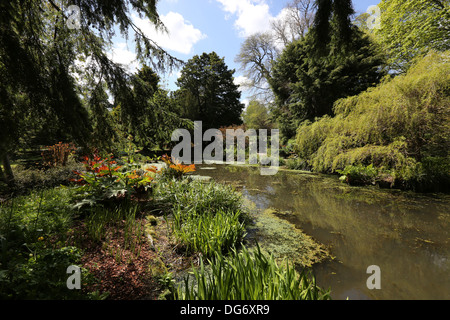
<point x="208" y="233"/>
<point x="206" y="217"/>
<point x="248" y="275"/>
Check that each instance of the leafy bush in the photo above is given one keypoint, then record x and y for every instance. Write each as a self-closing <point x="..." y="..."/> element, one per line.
<point x="28" y="179"/>
<point x="247" y="275"/>
<point x="104" y="178"/>
<point x="395" y="127"/>
<point x="174" y="169"/>
<point x="297" y="164"/>
<point x="31" y="267"/>
<point x="42" y="276"/>
<point x="359" y="175"/>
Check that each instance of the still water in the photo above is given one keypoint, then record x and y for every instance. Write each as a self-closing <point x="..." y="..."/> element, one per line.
<point x="406" y="234"/>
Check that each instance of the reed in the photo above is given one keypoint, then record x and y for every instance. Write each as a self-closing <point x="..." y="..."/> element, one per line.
<point x="247" y="275"/>
<point x="208" y="233"/>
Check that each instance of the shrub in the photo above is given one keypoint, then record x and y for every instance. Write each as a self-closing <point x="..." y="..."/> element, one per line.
<point x="359" y="175"/>
<point x="42" y="276"/>
<point x="175" y="169"/>
<point x="104" y="178"/>
<point x="28" y="179"/>
<point x="32" y="266"/>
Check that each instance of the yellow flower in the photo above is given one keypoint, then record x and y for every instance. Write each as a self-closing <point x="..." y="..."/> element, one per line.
<point x="40" y="238"/>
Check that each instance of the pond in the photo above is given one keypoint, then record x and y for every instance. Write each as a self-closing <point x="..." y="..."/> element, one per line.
<point x="405" y="234"/>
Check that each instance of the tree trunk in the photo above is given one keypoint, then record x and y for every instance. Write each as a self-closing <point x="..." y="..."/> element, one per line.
<point x="9" y="175"/>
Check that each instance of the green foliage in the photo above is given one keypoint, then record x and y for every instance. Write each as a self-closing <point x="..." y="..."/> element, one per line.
<point x="207" y="83"/>
<point x="248" y="275"/>
<point x="104" y="178"/>
<point x="329" y="13"/>
<point x="208" y="233"/>
<point x="296" y="164"/>
<point x="256" y="116"/>
<point x="359" y="174"/>
<point x="56" y="82"/>
<point x="30" y="268"/>
<point x="410" y="29"/>
<point x="398" y="127"/>
<point x="28" y="179"/>
<point x="43" y="276"/>
<point x="198" y="196"/>
<point x="306" y="85"/>
<point x="207" y="217"/>
<point x="153" y="115"/>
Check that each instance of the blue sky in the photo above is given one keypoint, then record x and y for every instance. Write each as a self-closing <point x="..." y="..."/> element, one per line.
<point x="197" y="26"/>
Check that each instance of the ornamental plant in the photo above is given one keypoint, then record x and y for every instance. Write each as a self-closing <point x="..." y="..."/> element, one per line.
<point x="104" y="178"/>
<point x="176" y="169"/>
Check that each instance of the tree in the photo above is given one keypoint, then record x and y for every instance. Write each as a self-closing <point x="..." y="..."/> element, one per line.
<point x="256" y="116"/>
<point x="259" y="51"/>
<point x="297" y="20"/>
<point x="257" y="54"/>
<point x="329" y="13"/>
<point x="307" y="85"/>
<point x="208" y="84"/>
<point x="39" y="56"/>
<point x="154" y="115"/>
<point x="410" y="29"/>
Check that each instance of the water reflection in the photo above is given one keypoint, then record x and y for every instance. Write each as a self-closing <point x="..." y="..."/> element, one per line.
<point x="404" y="233"/>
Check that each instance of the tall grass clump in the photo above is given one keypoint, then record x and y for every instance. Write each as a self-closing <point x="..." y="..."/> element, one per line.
<point x="401" y="127"/>
<point x="198" y="196"/>
<point x="206" y="217"/>
<point x="247" y="275"/>
<point x="208" y="233"/>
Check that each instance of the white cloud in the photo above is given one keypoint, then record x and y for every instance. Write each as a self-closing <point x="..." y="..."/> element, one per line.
<point x="181" y="36"/>
<point x="121" y="55"/>
<point x="243" y="82"/>
<point x="252" y="15"/>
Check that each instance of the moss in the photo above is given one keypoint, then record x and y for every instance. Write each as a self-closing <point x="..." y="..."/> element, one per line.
<point x="284" y="240"/>
<point x="152" y="220"/>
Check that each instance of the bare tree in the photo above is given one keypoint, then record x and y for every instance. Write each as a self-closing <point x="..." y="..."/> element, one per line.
<point x="298" y="18"/>
<point x="258" y="52"/>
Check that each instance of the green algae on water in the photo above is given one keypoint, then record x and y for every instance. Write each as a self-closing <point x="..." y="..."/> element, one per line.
<point x="285" y="241"/>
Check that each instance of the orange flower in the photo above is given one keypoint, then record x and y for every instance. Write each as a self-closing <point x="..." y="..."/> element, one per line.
<point x="152" y="169"/>
<point x="133" y="175"/>
<point x="183" y="168"/>
<point x="166" y="159"/>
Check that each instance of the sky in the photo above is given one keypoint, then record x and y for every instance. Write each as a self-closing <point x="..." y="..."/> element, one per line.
<point x="197" y="26"/>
